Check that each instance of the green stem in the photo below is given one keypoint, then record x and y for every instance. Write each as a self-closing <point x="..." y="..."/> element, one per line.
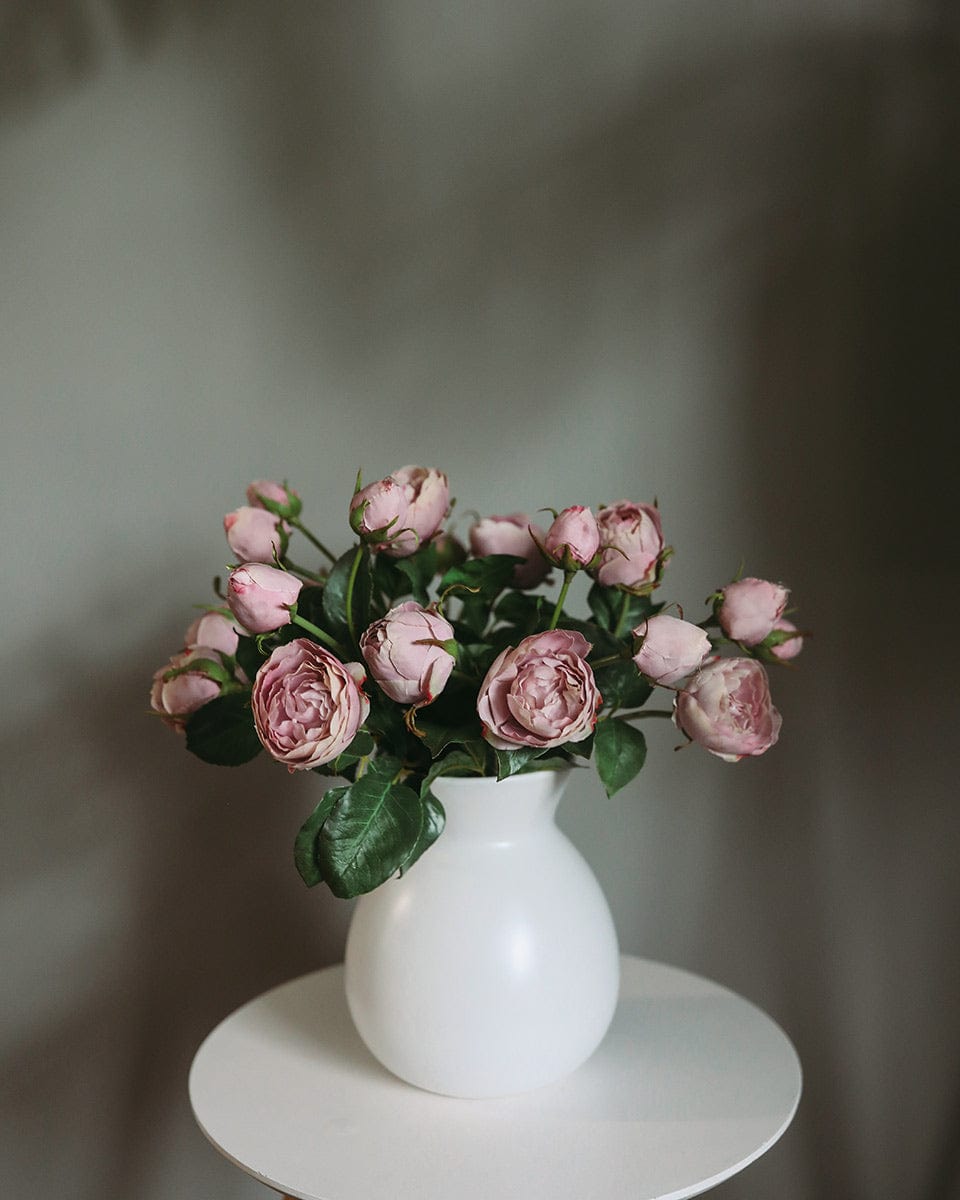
<point x="567" y="578"/>
<point x="298" y="570"/>
<point x="310" y="537"/>
<point x="640" y="713"/>
<point x="606" y="662"/>
<point x="319" y="633"/>
<point x="351" y="581"/>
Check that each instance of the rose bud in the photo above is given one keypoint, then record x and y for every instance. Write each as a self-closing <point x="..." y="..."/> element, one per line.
<point x="255" y="535"/>
<point x="572" y="541"/>
<point x="260" y="597"/>
<point x="513" y="534"/>
<point x="540" y="693"/>
<point x="307" y="704"/>
<point x="399" y="649"/>
<point x="632" y="550"/>
<point x="277" y="497"/>
<point x="187" y="682"/>
<point x="379" y="511"/>
<point x="428" y="496"/>
<point x="727" y="709"/>
<point x="784" y="648"/>
<point x="749" y="609"/>
<point x="669" y="649"/>
<point x="215" y="630"/>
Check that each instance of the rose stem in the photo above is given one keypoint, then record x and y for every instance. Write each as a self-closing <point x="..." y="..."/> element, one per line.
<point x="567" y="577"/>
<point x="351" y="581"/>
<point x="310" y="538"/>
<point x="319" y="633"/>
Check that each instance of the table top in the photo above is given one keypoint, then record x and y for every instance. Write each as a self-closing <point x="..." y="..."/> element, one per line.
<point x="691" y="1084"/>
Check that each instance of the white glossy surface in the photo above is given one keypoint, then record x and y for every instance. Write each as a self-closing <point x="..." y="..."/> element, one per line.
<point x="691" y="1084"/>
<point x="492" y="966"/>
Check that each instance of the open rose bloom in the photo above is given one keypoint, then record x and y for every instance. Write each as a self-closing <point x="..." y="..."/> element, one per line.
<point x="403" y="656"/>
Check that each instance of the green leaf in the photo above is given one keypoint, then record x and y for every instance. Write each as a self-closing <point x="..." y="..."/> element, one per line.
<point x="310" y="607"/>
<point x="433" y="819"/>
<point x="307" y="842"/>
<point x="471" y="760"/>
<point x="524" y="610"/>
<point x="335" y="596"/>
<point x="372" y="831"/>
<point x="248" y="657"/>
<point x="622" y="685"/>
<point x="222" y="732"/>
<point x="437" y="736"/>
<point x="512" y="762"/>
<point x="419" y="570"/>
<point x="620" y="751"/>
<point x="362" y="746"/>
<point x="617" y="611"/>
<point x="490" y="574"/>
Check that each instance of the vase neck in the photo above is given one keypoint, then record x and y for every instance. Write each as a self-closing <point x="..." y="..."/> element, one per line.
<point x="483" y="809"/>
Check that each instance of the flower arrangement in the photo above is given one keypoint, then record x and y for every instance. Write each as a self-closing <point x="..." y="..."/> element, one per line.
<point x="354" y="671"/>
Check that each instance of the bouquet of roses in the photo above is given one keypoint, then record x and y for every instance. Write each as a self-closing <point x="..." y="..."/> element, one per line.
<point x="411" y="656"/>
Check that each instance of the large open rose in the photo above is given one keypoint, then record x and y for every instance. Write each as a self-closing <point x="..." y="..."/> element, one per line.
<point x="726" y="707"/>
<point x="540" y="693"/>
<point x="307" y="704"/>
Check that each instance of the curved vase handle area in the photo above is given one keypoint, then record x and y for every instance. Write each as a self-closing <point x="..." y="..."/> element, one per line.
<point x="492" y="966"/>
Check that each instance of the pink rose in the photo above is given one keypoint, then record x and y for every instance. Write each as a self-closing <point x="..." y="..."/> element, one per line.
<point x="307" y="704"/>
<point x="396" y="649"/>
<point x="749" y="609"/>
<point x="260" y="596"/>
<point x="215" y="630"/>
<point x="541" y="693"/>
<point x="726" y="707"/>
<point x="631" y="541"/>
<point x="511" y="535"/>
<point x="176" y="692"/>
<point x="379" y="506"/>
<point x="572" y="541"/>
<point x="789" y="647"/>
<point x="255" y="535"/>
<point x="670" y="649"/>
<point x="428" y="496"/>
<point x="278" y="496"/>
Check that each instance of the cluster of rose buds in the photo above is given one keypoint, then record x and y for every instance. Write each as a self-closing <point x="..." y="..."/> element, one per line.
<point x="308" y="701"/>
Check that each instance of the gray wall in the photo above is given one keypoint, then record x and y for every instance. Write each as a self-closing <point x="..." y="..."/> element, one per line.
<point x="703" y="250"/>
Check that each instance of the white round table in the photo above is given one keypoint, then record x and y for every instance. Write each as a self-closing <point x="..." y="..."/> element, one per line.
<point x="691" y="1084"/>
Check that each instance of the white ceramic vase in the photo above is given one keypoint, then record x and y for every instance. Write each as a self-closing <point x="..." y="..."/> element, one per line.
<point x="492" y="966"/>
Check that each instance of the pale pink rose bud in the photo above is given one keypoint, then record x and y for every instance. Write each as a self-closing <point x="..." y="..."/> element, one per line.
<point x="260" y="596"/>
<point x="379" y="506"/>
<point x="307" y="704"/>
<point x="572" y="541"/>
<point x="789" y="647"/>
<point x="398" y="650"/>
<point x="212" y="629"/>
<point x="265" y="493"/>
<point x="670" y="649"/>
<point x="428" y="496"/>
<point x="631" y="543"/>
<point x="176" y="695"/>
<point x="748" y="609"/>
<point x="255" y="535"/>
<point x="726" y="707"/>
<point x="512" y="535"/>
<point x="540" y="693"/>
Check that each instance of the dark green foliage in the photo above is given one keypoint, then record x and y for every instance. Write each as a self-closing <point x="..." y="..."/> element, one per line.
<point x="222" y="732"/>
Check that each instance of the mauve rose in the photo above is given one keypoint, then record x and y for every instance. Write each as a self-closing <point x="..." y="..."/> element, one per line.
<point x="540" y="693"/>
<point x="408" y="670"/>
<point x="428" y="497"/>
<point x="631" y="541"/>
<point x="260" y="596"/>
<point x="749" y="609"/>
<point x="790" y="647"/>
<point x="511" y="535"/>
<point x="254" y="534"/>
<point x="212" y="629"/>
<point x="670" y="649"/>
<point x="727" y="709"/>
<point x="380" y="505"/>
<point x="266" y="489"/>
<point x="307" y="704"/>
<point x="176" y="698"/>
<point x="572" y="541"/>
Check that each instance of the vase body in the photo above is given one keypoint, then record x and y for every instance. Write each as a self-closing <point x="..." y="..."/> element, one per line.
<point x="491" y="967"/>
